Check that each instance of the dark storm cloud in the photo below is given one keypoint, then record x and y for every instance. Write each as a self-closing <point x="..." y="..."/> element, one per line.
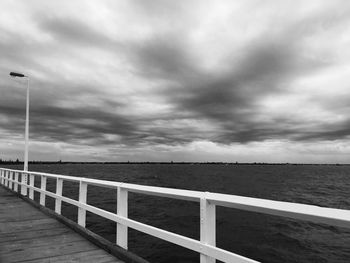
<point x="68" y="125"/>
<point x="229" y="98"/>
<point x="84" y="124"/>
<point x="340" y="130"/>
<point x="88" y="126"/>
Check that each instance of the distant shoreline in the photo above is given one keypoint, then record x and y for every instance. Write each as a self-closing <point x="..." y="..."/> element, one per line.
<point x="171" y="162"/>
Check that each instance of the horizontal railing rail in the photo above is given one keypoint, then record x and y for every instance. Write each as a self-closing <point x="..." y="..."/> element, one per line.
<point x="206" y="246"/>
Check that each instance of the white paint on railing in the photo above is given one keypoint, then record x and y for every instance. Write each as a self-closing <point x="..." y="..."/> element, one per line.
<point x="82" y="199"/>
<point x="6" y="178"/>
<point x="10" y="177"/>
<point x="122" y="210"/>
<point x="58" y="202"/>
<point x="31" y="183"/>
<point x="207" y="226"/>
<point x="206" y="246"/>
<point x="15" y="188"/>
<point x="9" y="183"/>
<point x="317" y="214"/>
<point x="24" y="183"/>
<point x="43" y="187"/>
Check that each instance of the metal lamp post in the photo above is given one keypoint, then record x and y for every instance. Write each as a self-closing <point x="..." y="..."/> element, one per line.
<point x="26" y="135"/>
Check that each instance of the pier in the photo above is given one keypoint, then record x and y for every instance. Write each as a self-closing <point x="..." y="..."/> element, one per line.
<point x="17" y="216"/>
<point x="29" y="235"/>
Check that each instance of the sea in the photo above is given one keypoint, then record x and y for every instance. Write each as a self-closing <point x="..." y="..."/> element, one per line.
<point x="257" y="236"/>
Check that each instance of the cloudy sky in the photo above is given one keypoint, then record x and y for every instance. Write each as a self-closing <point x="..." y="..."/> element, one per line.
<point x="246" y="81"/>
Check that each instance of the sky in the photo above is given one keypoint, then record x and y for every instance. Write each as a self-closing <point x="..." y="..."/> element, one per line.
<point x="223" y="81"/>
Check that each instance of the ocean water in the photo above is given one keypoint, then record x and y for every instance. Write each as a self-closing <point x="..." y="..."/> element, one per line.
<point x="257" y="236"/>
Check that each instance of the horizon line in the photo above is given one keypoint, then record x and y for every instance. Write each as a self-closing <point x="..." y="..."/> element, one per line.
<point x="165" y="162"/>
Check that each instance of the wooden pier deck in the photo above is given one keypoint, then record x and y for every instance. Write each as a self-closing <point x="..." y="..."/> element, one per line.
<point x="29" y="235"/>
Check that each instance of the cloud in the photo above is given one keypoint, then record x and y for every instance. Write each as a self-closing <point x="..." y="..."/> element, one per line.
<point x="170" y="74"/>
<point x="229" y="97"/>
<point x="71" y="31"/>
<point x="84" y="125"/>
<point x="164" y="57"/>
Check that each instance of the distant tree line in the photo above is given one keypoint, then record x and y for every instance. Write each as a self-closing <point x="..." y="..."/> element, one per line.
<point x="10" y="161"/>
<point x="171" y="162"/>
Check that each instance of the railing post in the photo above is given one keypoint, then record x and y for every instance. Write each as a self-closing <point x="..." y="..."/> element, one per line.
<point x="15" y="185"/>
<point x="58" y="202"/>
<point x="31" y="183"/>
<point x="207" y="226"/>
<point x="6" y="178"/>
<point x="82" y="199"/>
<point x="10" y="178"/>
<point x="24" y="183"/>
<point x="122" y="210"/>
<point x="1" y="175"/>
<point x="43" y="187"/>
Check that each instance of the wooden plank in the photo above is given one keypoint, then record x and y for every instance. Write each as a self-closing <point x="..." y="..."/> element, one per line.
<point x="13" y="236"/>
<point x="87" y="256"/>
<point x="20" y="215"/>
<point x="42" y="242"/>
<point x="32" y="217"/>
<point x="18" y="210"/>
<point x="38" y="224"/>
<point x="5" y="201"/>
<point x="19" y="254"/>
<point x="9" y="203"/>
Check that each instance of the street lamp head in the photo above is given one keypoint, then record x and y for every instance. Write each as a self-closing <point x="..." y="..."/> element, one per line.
<point x="15" y="74"/>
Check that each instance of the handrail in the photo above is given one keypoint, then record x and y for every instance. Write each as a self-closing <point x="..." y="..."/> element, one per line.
<point x="206" y="246"/>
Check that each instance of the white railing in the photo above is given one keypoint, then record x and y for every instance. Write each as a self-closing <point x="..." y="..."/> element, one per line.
<point x="206" y="246"/>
